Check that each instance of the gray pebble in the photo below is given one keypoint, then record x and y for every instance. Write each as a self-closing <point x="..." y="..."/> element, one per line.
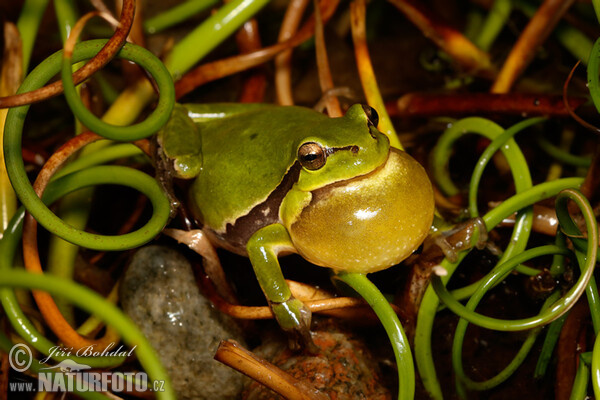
<point x="159" y="293"/>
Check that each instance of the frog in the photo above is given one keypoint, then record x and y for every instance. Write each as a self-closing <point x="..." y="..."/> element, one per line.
<point x="268" y="180"/>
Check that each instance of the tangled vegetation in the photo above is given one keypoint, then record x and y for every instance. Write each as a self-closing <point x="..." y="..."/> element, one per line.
<point x="501" y="298"/>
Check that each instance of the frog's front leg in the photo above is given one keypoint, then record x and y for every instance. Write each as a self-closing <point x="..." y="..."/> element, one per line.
<point x="291" y="314"/>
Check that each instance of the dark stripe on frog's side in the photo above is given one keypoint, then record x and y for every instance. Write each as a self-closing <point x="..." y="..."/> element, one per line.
<point x="237" y="235"/>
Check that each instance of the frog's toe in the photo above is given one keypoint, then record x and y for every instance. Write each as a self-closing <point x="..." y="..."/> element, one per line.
<point x="294" y="318"/>
<point x="460" y="238"/>
<point x="301" y="340"/>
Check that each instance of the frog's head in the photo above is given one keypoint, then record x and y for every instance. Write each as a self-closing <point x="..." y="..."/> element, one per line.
<point x="341" y="148"/>
<point x="358" y="205"/>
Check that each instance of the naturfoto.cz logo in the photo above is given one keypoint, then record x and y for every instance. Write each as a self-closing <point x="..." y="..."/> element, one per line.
<point x="69" y="375"/>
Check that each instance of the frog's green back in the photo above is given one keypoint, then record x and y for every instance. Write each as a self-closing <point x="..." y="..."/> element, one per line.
<point x="245" y="157"/>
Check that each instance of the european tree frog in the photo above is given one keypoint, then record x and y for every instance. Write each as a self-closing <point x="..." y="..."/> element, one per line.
<point x="270" y="180"/>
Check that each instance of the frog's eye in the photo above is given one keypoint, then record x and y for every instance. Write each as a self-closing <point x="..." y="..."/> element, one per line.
<point x="312" y="156"/>
<point x="371" y="114"/>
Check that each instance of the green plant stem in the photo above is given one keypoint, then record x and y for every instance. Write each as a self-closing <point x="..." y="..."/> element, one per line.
<point x="582" y="377"/>
<point x="494" y="277"/>
<point x="537" y="193"/>
<point x="430" y="302"/>
<point x="103" y="156"/>
<point x="8" y="246"/>
<point x="36" y="366"/>
<point x="66" y="17"/>
<point x="440" y="155"/>
<point x="423" y="333"/>
<point x="28" y="25"/>
<point x="12" y="146"/>
<point x="503" y="375"/>
<point x="575" y="41"/>
<point x="571" y="38"/>
<point x="550" y="341"/>
<point x="141" y="130"/>
<point x="596" y="4"/>
<point x="557" y="308"/>
<point x="518" y="164"/>
<point x="473" y="24"/>
<point x="592" y="74"/>
<point x="591" y="292"/>
<point x="557" y="268"/>
<point x="493" y="24"/>
<point x="596" y="367"/>
<point x="93" y="323"/>
<point x="92" y="302"/>
<point x="404" y="361"/>
<point x="518" y="242"/>
<point x="561" y="155"/>
<point x="109" y="93"/>
<point x="8" y="198"/>
<point x="176" y="14"/>
<point x="467" y="291"/>
<point x="62" y="254"/>
<point x="128" y="106"/>
<point x="185" y="54"/>
<point x="218" y="27"/>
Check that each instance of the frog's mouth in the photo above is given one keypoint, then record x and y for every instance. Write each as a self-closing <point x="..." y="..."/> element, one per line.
<point x="370" y="222"/>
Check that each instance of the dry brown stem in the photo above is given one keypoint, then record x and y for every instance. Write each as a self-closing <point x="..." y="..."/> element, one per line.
<point x="232" y="354"/>
<point x="536" y="32"/>
<point x="218" y="69"/>
<point x="107" y="52"/>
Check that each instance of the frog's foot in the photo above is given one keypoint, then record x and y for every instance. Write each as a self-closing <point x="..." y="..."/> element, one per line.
<point x="294" y="318"/>
<point x="460" y="238"/>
